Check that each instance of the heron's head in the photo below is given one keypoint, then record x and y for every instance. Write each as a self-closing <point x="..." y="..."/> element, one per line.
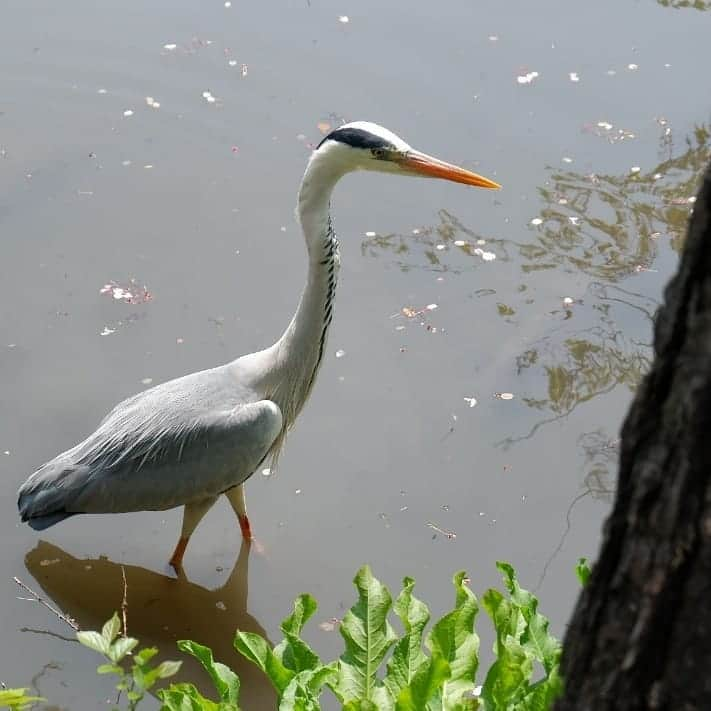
<point x="362" y="145"/>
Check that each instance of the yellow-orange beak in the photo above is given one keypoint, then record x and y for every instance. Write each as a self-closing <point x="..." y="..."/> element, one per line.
<point x="433" y="167"/>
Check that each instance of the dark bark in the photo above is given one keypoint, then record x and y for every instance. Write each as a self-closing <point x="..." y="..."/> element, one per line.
<point x="640" y="637"/>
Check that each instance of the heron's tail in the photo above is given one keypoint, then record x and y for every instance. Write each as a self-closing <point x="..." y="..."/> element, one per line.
<point x="42" y="499"/>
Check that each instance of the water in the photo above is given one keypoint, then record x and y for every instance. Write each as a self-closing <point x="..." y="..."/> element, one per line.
<point x="388" y="446"/>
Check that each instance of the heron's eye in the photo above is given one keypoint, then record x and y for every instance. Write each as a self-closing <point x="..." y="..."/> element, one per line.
<point x="378" y="153"/>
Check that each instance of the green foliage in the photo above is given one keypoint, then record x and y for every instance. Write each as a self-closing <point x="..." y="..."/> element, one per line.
<point x="583" y="571"/>
<point x="16" y="699"/>
<point x="432" y="672"/>
<point x="140" y="676"/>
<point x="522" y="639"/>
<point x="443" y="680"/>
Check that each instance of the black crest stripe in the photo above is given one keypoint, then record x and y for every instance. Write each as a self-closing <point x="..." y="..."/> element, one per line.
<point x="358" y="138"/>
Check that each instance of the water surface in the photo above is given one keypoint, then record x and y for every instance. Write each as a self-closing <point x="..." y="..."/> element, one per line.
<point x="598" y="153"/>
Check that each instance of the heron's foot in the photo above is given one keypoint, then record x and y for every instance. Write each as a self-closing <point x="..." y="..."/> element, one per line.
<point x="246" y="529"/>
<point x="176" y="560"/>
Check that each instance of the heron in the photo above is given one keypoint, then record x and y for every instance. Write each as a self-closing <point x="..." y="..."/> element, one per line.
<point x="187" y="441"/>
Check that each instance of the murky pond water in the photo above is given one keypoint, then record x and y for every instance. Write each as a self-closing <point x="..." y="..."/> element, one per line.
<point x="590" y="116"/>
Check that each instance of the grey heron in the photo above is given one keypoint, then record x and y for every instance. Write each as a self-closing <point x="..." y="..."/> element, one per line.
<point x="189" y="440"/>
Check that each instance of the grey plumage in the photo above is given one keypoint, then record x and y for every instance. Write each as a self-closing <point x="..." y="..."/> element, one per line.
<point x="176" y="443"/>
<point x="185" y="442"/>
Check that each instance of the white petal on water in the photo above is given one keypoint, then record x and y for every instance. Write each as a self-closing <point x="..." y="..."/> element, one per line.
<point x="635" y="169"/>
<point x="459" y="243"/>
<point x="206" y="94"/>
<point x="228" y="4"/>
<point x="107" y="331"/>
<point x="211" y="99"/>
<point x="567" y="301"/>
<point x="632" y="67"/>
<point x="481" y="241"/>
<point x="147" y="381"/>
<point x="471" y="401"/>
<point x="536" y="221"/>
<point x="604" y="125"/>
<point x="566" y="159"/>
<point x="340" y="353"/>
<point x="574" y="76"/>
<point x="266" y="472"/>
<point x="170" y="46"/>
<point x="488" y="256"/>
<point x="125" y="162"/>
<point x="527" y="78"/>
<point x="128" y="112"/>
<point x="370" y="234"/>
<point x="440" y="247"/>
<point x="232" y="62"/>
<point x="505" y="396"/>
<point x="101" y="91"/>
<point x="574" y="220"/>
<point x="431" y="307"/>
<point x="344" y="19"/>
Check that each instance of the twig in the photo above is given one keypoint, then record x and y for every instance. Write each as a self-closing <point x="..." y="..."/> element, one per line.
<point x="124" y="603"/>
<point x="65" y="618"/>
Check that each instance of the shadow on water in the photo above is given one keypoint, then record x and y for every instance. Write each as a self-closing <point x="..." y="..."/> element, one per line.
<point x="161" y="611"/>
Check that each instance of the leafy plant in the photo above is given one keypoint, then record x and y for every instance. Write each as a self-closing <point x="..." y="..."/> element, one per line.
<point x="140" y="676"/>
<point x="379" y="670"/>
<point x="583" y="571"/>
<point x="443" y="680"/>
<point x="16" y="699"/>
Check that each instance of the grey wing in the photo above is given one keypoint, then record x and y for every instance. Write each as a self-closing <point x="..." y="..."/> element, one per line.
<point x="123" y="467"/>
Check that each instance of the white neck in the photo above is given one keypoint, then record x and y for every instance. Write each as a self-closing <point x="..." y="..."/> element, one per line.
<point x="294" y="360"/>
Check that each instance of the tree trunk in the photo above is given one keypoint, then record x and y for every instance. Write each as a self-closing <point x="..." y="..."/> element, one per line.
<point x="640" y="637"/>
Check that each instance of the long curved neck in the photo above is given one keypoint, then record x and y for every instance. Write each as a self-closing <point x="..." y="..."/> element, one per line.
<point x="298" y="353"/>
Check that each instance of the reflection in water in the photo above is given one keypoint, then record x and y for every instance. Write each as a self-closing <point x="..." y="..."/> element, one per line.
<point x="161" y="610"/>
<point x="431" y="248"/>
<point x="601" y="453"/>
<point x="696" y="4"/>
<point x="588" y="362"/>
<point x="608" y="226"/>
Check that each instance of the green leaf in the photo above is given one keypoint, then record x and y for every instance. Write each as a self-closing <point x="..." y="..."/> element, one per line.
<point x="583" y="571"/>
<point x="257" y="650"/>
<point x="292" y="651"/>
<point x="304" y="607"/>
<point x="120" y="648"/>
<point x="303" y="691"/>
<point x="542" y="694"/>
<point x="111" y="629"/>
<point x="16" y="698"/>
<point x="427" y="682"/>
<point x="184" y="697"/>
<point x="534" y="634"/>
<point x="168" y="668"/>
<point x="453" y="639"/>
<point x="95" y="641"/>
<point x="368" y="637"/>
<point x="508" y="676"/>
<point x="109" y="669"/>
<point x="408" y="657"/>
<point x="145" y="655"/>
<point x="225" y="680"/>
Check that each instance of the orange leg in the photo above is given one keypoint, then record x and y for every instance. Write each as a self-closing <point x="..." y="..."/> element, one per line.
<point x="176" y="560"/>
<point x="192" y="515"/>
<point x="245" y="527"/>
